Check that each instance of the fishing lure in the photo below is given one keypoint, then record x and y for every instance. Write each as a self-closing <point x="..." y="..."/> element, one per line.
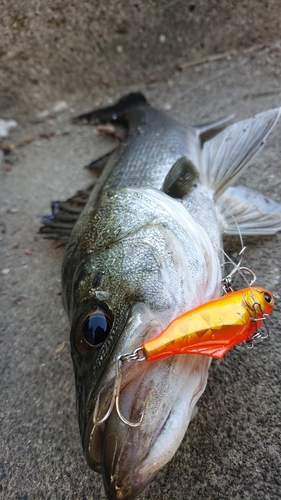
<point x="214" y="327"/>
<point x="210" y="329"/>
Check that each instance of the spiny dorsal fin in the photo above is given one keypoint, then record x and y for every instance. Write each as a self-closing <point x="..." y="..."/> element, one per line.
<point x="114" y="113"/>
<point x="181" y="178"/>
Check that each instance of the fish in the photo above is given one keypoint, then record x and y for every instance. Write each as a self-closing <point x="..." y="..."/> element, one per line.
<point x="146" y="247"/>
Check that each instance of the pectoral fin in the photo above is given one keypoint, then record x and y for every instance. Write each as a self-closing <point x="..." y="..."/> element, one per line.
<point x="181" y="178"/>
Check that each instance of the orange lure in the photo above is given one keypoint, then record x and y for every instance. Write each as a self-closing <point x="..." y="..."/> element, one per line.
<point x="210" y="329"/>
<point x="214" y="327"/>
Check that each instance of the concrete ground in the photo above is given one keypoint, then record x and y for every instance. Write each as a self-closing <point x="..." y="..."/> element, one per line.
<point x="76" y="47"/>
<point x="232" y="448"/>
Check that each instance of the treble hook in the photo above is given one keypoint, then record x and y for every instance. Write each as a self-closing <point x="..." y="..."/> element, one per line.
<point x="258" y="336"/>
<point x="227" y="281"/>
<point x="116" y="392"/>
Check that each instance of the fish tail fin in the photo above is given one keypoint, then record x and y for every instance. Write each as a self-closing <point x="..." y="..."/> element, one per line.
<point x="225" y="156"/>
<point x="243" y="211"/>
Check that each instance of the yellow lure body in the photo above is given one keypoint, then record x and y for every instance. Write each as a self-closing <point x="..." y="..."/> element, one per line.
<point x="213" y="328"/>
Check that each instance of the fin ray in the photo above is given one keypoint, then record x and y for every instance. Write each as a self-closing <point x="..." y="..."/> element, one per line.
<point x="180" y="179"/>
<point x="209" y="130"/>
<point x="243" y="210"/>
<point x="224" y="157"/>
<point x="65" y="214"/>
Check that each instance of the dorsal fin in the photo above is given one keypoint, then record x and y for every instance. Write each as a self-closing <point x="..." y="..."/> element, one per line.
<point x="114" y="113"/>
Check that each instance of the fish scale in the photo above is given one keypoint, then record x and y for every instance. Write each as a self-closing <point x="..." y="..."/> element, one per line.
<point x="152" y="146"/>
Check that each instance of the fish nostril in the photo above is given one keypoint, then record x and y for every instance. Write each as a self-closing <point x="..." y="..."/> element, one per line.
<point x="97" y="279"/>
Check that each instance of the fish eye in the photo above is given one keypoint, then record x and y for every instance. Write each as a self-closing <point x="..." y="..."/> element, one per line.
<point x="93" y="329"/>
<point x="96" y="327"/>
<point x="267" y="298"/>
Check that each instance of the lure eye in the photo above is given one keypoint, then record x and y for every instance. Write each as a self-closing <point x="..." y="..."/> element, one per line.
<point x="268" y="298"/>
<point x="96" y="327"/>
<point x="92" y="330"/>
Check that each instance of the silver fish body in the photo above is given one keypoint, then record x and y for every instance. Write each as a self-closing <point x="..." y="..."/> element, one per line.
<point x="138" y="257"/>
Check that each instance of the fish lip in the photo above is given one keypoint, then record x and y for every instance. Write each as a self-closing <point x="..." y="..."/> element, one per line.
<point x="125" y="480"/>
<point x="90" y="430"/>
<point x="130" y="490"/>
<point x="104" y="448"/>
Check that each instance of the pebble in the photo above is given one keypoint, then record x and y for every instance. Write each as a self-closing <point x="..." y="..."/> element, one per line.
<point x="5" y="126"/>
<point x="5" y="271"/>
<point x="60" y="106"/>
<point x="28" y="251"/>
<point x="7" y="147"/>
<point x="26" y="140"/>
<point x="43" y="114"/>
<point x="67" y="130"/>
<point x="167" y="106"/>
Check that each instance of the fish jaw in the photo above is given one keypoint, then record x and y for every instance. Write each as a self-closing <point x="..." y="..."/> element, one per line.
<point x="132" y="456"/>
<point x="165" y="393"/>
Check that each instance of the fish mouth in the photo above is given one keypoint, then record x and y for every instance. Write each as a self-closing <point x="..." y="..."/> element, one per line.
<point x="166" y="392"/>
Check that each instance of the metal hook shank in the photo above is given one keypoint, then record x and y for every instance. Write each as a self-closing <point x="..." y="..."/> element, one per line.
<point x="115" y="398"/>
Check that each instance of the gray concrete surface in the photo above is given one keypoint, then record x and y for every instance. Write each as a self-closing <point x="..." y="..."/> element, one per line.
<point x="232" y="448"/>
<point x="65" y="48"/>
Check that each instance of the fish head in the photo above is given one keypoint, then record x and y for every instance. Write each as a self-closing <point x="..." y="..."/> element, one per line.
<point x="133" y="264"/>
